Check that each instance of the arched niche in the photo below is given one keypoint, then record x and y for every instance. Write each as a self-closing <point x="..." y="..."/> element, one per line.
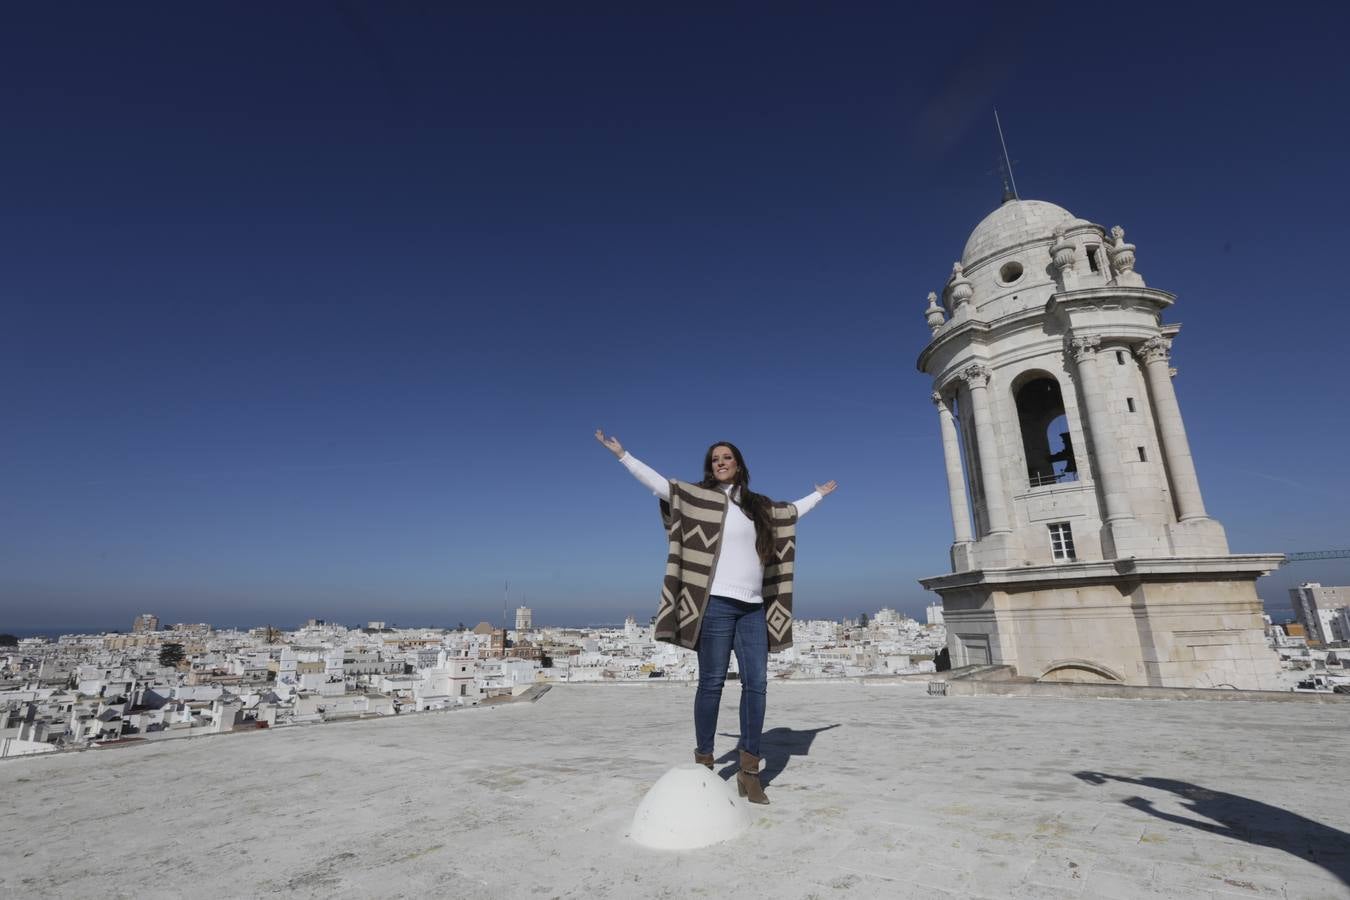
<point x="1080" y="671"/>
<point x="1046" y="444"/>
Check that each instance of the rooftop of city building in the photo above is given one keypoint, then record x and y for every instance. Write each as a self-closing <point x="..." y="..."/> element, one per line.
<point x="877" y="789"/>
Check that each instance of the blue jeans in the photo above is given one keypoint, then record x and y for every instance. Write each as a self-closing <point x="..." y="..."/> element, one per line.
<point x="729" y="624"/>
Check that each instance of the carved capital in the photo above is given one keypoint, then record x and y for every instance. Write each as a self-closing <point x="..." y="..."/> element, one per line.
<point x="1085" y="347"/>
<point x="937" y="400"/>
<point x="975" y="375"/>
<point x="1155" y="349"/>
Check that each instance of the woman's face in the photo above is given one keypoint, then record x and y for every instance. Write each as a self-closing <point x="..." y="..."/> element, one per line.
<point x="724" y="464"/>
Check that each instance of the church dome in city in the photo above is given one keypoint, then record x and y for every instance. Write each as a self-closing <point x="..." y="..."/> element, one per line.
<point x="1013" y="223"/>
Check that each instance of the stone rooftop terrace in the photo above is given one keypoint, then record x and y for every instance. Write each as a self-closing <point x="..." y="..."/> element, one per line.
<point x="877" y="790"/>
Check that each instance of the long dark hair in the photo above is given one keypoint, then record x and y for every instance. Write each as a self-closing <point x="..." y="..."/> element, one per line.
<point x="756" y="506"/>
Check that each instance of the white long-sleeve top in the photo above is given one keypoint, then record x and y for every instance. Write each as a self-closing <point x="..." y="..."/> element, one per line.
<point x="739" y="574"/>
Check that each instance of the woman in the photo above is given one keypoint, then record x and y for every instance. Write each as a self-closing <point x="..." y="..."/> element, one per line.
<point x="728" y="586"/>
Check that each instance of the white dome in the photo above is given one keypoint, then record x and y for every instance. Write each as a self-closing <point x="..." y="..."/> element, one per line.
<point x="689" y="807"/>
<point x="1013" y="223"/>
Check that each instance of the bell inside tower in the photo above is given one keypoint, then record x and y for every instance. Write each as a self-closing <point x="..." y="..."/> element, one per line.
<point x="1045" y="433"/>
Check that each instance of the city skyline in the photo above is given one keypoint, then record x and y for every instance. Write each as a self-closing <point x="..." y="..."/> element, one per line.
<point x="317" y="319"/>
<point x="168" y="625"/>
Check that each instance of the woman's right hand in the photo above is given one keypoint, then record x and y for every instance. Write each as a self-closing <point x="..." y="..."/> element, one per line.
<point x="611" y="443"/>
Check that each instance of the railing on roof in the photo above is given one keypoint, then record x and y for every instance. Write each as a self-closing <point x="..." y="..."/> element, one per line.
<point x="1040" y="479"/>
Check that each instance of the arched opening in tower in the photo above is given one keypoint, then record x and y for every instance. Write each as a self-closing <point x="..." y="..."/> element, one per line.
<point x="1046" y="443"/>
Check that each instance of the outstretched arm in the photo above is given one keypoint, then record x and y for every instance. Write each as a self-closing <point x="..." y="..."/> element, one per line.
<point x="808" y="503"/>
<point x="642" y="472"/>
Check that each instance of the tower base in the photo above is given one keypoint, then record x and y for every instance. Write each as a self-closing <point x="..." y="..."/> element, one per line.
<point x="1173" y="622"/>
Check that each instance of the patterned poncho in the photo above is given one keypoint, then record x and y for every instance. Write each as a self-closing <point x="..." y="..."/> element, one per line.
<point x="694" y="518"/>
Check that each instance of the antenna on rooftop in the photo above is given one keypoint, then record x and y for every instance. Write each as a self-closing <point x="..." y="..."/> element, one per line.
<point x="1005" y="165"/>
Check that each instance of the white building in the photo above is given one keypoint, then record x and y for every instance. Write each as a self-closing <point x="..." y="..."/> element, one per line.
<point x="1340" y="624"/>
<point x="334" y="677"/>
<point x="494" y="675"/>
<point x="450" y="682"/>
<point x="1317" y="608"/>
<point x="935" y="614"/>
<point x="1082" y="548"/>
<point x="524" y="618"/>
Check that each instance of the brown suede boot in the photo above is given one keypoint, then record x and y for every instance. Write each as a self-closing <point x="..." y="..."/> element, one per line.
<point x="704" y="759"/>
<point x="747" y="779"/>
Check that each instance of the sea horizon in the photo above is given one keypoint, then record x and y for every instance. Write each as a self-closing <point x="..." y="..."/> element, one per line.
<point x="57" y="631"/>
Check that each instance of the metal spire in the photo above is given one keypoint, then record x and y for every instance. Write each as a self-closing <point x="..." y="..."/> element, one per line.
<point x="1005" y="165"/>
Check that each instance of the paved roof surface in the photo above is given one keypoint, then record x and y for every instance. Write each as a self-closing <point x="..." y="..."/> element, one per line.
<point x="877" y="791"/>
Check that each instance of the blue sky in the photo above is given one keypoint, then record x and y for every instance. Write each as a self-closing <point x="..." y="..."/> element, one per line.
<point x="311" y="310"/>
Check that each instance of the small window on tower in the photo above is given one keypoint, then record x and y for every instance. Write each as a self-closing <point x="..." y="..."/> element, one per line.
<point x="1142" y="457"/>
<point x="1129" y="403"/>
<point x="1061" y="542"/>
<point x="1010" y="272"/>
<point x="1120" y="358"/>
<point x="1092" y="258"/>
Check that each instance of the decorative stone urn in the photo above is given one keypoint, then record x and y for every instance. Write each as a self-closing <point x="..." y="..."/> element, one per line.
<point x="933" y="314"/>
<point x="1122" y="258"/>
<point x="962" y="290"/>
<point x="1064" y="255"/>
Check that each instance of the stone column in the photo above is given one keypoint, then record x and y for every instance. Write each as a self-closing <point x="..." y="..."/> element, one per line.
<point x="1176" y="449"/>
<point x="976" y="378"/>
<point x="1106" y="452"/>
<point x="956" y="483"/>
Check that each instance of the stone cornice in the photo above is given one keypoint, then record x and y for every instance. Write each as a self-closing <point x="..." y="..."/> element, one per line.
<point x="979" y="332"/>
<point x="976" y="331"/>
<point x="1099" y="297"/>
<point x="1240" y="567"/>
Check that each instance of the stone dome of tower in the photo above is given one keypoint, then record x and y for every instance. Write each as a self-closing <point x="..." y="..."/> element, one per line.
<point x="1015" y="222"/>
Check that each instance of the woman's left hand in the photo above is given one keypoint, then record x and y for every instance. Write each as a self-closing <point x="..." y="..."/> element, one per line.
<point x="827" y="487"/>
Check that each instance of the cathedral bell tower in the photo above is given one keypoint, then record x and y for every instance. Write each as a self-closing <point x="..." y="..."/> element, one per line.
<point x="1082" y="548"/>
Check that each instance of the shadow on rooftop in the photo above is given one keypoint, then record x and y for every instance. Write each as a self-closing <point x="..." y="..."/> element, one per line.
<point x="1242" y="819"/>
<point x="776" y="746"/>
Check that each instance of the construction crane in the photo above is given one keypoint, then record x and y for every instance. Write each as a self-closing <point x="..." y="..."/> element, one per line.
<point x="1316" y="554"/>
